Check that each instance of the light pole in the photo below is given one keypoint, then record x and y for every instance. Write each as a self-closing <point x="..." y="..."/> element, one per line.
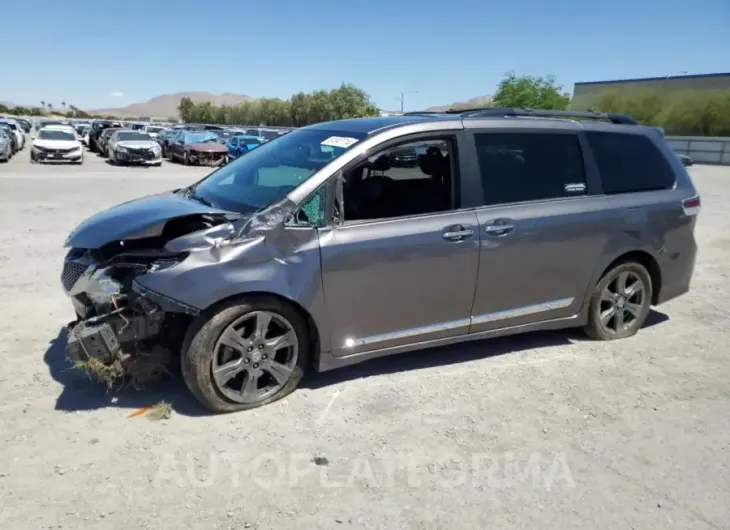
<point x="403" y="97"/>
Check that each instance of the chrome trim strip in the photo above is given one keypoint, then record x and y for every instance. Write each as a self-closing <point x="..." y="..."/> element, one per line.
<point x="561" y="303"/>
<point x="351" y="342"/>
<point x="328" y="362"/>
<point x="552" y="305"/>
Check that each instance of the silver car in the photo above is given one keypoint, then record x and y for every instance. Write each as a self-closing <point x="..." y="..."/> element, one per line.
<point x="126" y="146"/>
<point x="321" y="248"/>
<point x="6" y="146"/>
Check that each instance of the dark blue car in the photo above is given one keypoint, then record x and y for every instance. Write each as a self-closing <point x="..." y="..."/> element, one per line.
<point x="241" y="144"/>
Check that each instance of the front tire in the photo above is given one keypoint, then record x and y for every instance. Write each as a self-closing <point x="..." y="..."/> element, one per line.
<point x="620" y="302"/>
<point x="186" y="159"/>
<point x="245" y="353"/>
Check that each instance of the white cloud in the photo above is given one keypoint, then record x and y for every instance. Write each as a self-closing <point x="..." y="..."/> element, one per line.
<point x="117" y="94"/>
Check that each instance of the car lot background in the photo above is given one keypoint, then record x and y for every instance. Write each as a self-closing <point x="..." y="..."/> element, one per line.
<point x="638" y="429"/>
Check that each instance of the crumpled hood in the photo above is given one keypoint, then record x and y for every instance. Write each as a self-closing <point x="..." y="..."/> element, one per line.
<point x="209" y="147"/>
<point x="136" y="219"/>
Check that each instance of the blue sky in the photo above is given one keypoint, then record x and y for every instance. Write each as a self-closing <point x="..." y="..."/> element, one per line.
<point x="105" y="53"/>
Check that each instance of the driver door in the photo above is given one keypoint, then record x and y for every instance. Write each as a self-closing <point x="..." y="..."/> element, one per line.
<point x="406" y="277"/>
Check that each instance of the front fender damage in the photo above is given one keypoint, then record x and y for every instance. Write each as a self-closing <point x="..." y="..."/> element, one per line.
<point x="148" y="300"/>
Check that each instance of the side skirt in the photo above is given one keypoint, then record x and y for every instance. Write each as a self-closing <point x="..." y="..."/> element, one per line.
<point x="327" y="361"/>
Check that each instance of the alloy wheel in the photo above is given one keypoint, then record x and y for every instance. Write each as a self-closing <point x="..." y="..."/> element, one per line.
<point x="622" y="302"/>
<point x="254" y="357"/>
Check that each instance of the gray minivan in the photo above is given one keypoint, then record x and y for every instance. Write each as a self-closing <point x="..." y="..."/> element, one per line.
<point x="320" y="249"/>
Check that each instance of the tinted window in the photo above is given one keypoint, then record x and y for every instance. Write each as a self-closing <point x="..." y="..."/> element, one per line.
<point x="518" y="167"/>
<point x="133" y="136"/>
<point x="629" y="163"/>
<point x="53" y="134"/>
<point x="398" y="182"/>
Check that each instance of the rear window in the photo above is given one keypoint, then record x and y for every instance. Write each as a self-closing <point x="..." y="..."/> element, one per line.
<point x="629" y="163"/>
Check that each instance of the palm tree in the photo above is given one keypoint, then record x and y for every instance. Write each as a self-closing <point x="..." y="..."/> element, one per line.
<point x="50" y="107"/>
<point x="63" y="104"/>
<point x="43" y="105"/>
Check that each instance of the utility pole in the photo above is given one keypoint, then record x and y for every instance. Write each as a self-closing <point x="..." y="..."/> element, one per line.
<point x="402" y="99"/>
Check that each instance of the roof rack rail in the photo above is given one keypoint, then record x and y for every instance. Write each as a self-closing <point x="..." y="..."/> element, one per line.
<point x="422" y="112"/>
<point x="501" y="112"/>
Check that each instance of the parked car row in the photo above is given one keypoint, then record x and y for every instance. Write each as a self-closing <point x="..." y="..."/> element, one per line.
<point x="12" y="138"/>
<point x="60" y="140"/>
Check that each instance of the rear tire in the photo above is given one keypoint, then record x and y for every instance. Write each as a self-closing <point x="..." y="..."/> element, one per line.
<point x="201" y="350"/>
<point x="620" y="302"/>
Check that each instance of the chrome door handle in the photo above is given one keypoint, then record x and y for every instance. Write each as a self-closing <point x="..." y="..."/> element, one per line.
<point x="458" y="234"/>
<point x="498" y="230"/>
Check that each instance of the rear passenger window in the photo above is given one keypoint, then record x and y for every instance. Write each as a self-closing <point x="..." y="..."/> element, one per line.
<point x="517" y="167"/>
<point x="629" y="163"/>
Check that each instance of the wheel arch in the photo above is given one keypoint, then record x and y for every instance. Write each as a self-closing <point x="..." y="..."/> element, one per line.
<point x="645" y="259"/>
<point x="314" y="332"/>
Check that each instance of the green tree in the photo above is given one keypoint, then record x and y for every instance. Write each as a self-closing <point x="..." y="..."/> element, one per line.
<point x="186" y="108"/>
<point x="531" y="92"/>
<point x="347" y="101"/>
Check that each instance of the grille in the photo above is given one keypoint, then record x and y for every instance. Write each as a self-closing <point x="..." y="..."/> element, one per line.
<point x="57" y="151"/>
<point x="71" y="273"/>
<point x="143" y="153"/>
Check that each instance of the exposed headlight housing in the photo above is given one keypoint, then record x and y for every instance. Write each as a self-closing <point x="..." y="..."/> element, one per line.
<point x="121" y="149"/>
<point x="166" y="263"/>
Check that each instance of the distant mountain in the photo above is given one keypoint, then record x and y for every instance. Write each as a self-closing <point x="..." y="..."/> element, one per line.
<point x="479" y="101"/>
<point x="166" y="105"/>
<point x="8" y="104"/>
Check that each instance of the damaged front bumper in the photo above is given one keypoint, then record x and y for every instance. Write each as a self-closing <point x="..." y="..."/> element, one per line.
<point x="115" y="315"/>
<point x="208" y="159"/>
<point x="148" y="157"/>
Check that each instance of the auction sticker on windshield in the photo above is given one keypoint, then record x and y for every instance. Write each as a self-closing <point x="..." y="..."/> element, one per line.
<point x="340" y="141"/>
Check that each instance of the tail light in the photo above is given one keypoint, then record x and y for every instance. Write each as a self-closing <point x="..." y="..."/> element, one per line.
<point x="692" y="205"/>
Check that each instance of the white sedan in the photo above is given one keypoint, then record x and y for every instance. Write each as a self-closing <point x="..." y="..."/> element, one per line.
<point x="54" y="144"/>
<point x="17" y="131"/>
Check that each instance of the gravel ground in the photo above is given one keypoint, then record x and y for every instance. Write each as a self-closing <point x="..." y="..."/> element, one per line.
<point x="546" y="430"/>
